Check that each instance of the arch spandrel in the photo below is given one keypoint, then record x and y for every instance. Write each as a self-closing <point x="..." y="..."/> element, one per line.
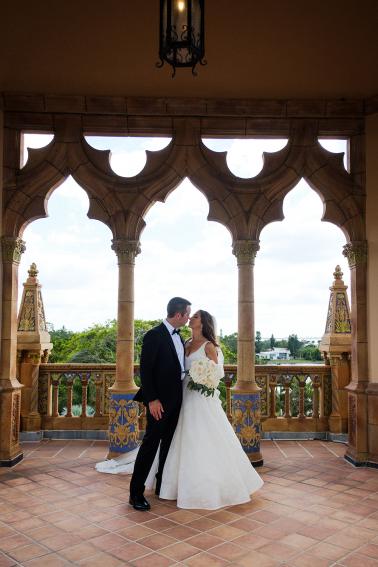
<point x="244" y="206"/>
<point x="37" y="156"/>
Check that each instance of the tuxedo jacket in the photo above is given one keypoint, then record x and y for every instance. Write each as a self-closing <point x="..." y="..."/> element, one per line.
<point x="160" y="370"/>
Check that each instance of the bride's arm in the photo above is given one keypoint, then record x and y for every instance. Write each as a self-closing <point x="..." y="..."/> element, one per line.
<point x="211" y="352"/>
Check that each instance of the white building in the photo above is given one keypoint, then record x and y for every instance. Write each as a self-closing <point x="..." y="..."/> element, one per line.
<point x="277" y="353"/>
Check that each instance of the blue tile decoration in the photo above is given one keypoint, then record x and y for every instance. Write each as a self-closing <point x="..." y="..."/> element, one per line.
<point x="123" y="423"/>
<point x="246" y="420"/>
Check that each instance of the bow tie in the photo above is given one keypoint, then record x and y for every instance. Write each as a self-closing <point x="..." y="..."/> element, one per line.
<point x="176" y="331"/>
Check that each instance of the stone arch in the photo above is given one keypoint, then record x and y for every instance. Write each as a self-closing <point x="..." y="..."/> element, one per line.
<point x="244" y="206"/>
<point x="247" y="205"/>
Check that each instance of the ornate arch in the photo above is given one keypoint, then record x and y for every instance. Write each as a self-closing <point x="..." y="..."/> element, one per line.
<point x="244" y="206"/>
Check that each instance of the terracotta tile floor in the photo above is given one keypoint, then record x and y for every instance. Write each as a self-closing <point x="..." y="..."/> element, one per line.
<point x="315" y="509"/>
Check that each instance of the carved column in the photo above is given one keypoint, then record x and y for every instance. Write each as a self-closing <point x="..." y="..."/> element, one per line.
<point x="336" y="345"/>
<point x="357" y="451"/>
<point x="246" y="393"/>
<point x="10" y="388"/>
<point x="123" y="411"/>
<point x="33" y="346"/>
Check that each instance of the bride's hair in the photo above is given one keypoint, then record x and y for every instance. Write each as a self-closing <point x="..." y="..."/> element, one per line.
<point x="208" y="327"/>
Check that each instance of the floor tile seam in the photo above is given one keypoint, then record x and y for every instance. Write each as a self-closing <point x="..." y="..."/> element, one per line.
<point x="362" y="545"/>
<point x="16" y="564"/>
<point x="347" y="551"/>
<point x="96" y="552"/>
<point x="40" y="542"/>
<point x="209" y="548"/>
<point x="191" y="556"/>
<point x="149" y="552"/>
<point x="48" y="550"/>
<point x="364" y="527"/>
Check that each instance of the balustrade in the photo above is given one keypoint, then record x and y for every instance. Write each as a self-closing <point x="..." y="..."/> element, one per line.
<point x="293" y="398"/>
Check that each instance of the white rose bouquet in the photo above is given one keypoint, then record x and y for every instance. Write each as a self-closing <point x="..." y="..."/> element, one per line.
<point x="204" y="376"/>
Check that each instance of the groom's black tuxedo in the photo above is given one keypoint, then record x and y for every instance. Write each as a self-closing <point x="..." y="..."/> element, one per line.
<point x="160" y="374"/>
<point x="160" y="370"/>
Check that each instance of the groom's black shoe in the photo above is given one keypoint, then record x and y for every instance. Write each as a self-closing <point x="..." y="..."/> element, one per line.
<point x="139" y="503"/>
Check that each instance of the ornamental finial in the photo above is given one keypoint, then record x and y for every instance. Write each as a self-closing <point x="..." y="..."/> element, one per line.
<point x="338" y="274"/>
<point x="33" y="272"/>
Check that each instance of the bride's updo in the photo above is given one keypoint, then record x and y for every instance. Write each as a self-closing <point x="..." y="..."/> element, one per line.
<point x="208" y="327"/>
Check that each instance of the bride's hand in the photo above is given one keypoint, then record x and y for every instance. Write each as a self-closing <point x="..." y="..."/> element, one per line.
<point x="156" y="409"/>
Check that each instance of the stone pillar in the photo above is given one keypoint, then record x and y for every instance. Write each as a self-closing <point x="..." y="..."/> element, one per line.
<point x="246" y="393"/>
<point x="10" y="388"/>
<point x="357" y="451"/>
<point x="123" y="411"/>
<point x="33" y="347"/>
<point x="336" y="346"/>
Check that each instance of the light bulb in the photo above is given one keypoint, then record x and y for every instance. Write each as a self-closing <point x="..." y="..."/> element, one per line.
<point x="181" y="5"/>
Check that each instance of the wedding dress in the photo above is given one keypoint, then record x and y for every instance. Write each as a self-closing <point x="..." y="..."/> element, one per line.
<point x="206" y="467"/>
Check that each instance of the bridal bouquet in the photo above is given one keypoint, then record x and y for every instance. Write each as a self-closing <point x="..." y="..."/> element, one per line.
<point x="204" y="376"/>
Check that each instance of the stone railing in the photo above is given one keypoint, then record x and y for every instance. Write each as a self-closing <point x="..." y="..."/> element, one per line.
<point x="74" y="396"/>
<point x="293" y="398"/>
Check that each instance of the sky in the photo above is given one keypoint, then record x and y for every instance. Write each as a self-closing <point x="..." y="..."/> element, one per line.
<point x="183" y="253"/>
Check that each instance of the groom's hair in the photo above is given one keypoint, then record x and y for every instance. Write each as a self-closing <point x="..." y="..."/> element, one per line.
<point x="177" y="305"/>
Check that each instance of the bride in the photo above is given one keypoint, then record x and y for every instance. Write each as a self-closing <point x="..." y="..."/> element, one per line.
<point x="206" y="467"/>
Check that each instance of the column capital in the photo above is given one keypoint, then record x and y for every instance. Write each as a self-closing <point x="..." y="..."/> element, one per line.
<point x="356" y="252"/>
<point x="12" y="248"/>
<point x="245" y="251"/>
<point x="126" y="250"/>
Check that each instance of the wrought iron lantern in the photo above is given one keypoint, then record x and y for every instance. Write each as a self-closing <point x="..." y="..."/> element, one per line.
<point x="182" y="37"/>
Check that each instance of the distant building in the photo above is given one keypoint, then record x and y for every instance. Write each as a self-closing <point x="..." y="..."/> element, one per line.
<point x="277" y="353"/>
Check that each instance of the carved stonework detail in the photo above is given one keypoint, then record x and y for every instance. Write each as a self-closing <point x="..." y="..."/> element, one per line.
<point x="262" y="382"/>
<point x="245" y="251"/>
<point x="109" y="381"/>
<point x="338" y="321"/>
<point x="43" y="393"/>
<point x="327" y="392"/>
<point x="27" y="316"/>
<point x="356" y="253"/>
<point x="41" y="313"/>
<point x="15" y="426"/>
<point x="32" y="271"/>
<point x="352" y="419"/>
<point x="328" y="328"/>
<point x="12" y="249"/>
<point x="126" y="250"/>
<point x="342" y="319"/>
<point x="337" y="336"/>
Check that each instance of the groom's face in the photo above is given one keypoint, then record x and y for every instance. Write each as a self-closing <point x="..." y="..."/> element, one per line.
<point x="182" y="319"/>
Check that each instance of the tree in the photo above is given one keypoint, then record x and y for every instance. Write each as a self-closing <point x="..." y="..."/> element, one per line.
<point x="310" y="352"/>
<point x="258" y="342"/>
<point x="272" y="342"/>
<point x="294" y="344"/>
<point x="231" y="342"/>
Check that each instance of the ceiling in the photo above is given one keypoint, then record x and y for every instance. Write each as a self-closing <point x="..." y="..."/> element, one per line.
<point x="254" y="49"/>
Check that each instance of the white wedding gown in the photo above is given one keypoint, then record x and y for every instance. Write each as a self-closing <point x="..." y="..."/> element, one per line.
<point x="206" y="467"/>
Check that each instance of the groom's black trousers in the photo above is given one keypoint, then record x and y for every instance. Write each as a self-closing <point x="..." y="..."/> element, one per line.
<point x="157" y="431"/>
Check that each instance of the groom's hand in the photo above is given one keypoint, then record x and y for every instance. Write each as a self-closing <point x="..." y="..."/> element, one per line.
<point x="156" y="409"/>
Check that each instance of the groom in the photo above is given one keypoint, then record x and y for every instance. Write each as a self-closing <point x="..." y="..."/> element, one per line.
<point x="161" y="372"/>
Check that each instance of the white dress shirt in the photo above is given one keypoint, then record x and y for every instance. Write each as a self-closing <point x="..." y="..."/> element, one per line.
<point x="178" y="346"/>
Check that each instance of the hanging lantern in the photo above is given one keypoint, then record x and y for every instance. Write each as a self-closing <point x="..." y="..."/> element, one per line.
<point x="182" y="37"/>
